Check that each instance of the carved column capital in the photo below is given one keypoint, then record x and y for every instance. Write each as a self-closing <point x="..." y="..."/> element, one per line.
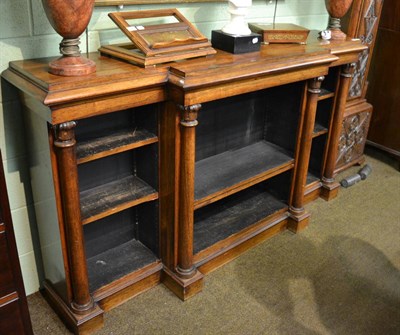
<point x="314" y="85"/>
<point x="65" y="134"/>
<point x="189" y="115"/>
<point x="348" y="70"/>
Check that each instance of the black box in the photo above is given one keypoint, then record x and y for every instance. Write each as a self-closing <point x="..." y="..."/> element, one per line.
<point x="236" y="44"/>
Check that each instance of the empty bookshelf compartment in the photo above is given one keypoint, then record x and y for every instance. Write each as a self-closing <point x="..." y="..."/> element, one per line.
<point x="121" y="244"/>
<point x="118" y="182"/>
<point x="109" y="134"/>
<point x="232" y="215"/>
<point x="329" y="84"/>
<point x="325" y="94"/>
<point x="243" y="140"/>
<point x="315" y="168"/>
<point x="323" y="117"/>
<point x="233" y="170"/>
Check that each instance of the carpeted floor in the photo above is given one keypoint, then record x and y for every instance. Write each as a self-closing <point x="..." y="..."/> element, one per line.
<point x="339" y="276"/>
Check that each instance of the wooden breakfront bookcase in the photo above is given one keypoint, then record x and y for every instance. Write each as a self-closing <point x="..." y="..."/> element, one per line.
<point x="162" y="174"/>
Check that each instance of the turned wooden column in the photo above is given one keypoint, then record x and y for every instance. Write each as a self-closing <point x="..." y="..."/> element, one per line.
<point x="188" y="122"/>
<point x="65" y="145"/>
<point x="298" y="216"/>
<point x="330" y="187"/>
<point x="184" y="279"/>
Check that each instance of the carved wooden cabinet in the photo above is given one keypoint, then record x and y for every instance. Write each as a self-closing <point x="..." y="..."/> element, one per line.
<point x="361" y="22"/>
<point x="14" y="313"/>
<point x="166" y="173"/>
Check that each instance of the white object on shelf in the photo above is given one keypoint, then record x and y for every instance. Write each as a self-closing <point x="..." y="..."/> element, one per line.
<point x="238" y="25"/>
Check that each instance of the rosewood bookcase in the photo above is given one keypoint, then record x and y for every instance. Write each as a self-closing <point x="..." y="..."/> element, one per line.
<point x="165" y="173"/>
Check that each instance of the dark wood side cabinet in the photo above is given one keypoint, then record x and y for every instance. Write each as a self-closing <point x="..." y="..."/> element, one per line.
<point x="360" y="22"/>
<point x="384" y="88"/>
<point x="14" y="313"/>
<point x="165" y="173"/>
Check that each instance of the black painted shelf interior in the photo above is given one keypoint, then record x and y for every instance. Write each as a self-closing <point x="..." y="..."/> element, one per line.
<point x="121" y="140"/>
<point x="113" y="195"/>
<point x="325" y="94"/>
<point x="231" y="215"/>
<point x="229" y="168"/>
<point x="117" y="262"/>
<point x="311" y="177"/>
<point x="319" y="130"/>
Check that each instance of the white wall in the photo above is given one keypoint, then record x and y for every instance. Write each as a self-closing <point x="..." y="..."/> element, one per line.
<point x="25" y="33"/>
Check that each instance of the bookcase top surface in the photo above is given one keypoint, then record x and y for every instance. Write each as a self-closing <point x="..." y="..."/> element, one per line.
<point x="113" y="77"/>
<point x="270" y="58"/>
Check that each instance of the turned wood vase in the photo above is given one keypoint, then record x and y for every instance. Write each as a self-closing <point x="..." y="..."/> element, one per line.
<point x="69" y="18"/>
<point x="337" y="9"/>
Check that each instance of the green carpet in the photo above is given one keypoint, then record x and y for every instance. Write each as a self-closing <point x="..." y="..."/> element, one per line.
<point x="339" y="276"/>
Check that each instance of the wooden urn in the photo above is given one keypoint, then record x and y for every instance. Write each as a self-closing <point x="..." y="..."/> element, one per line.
<point x="337" y="9"/>
<point x="69" y="18"/>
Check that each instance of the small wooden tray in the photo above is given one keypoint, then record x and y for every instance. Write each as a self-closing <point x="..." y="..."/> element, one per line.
<point x="157" y="43"/>
<point x="280" y="32"/>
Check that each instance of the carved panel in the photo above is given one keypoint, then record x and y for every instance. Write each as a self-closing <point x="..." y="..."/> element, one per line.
<point x="353" y="137"/>
<point x="366" y="33"/>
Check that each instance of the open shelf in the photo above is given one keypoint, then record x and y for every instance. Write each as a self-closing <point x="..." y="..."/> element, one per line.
<point x="316" y="163"/>
<point x="319" y="130"/>
<point x="117" y="262"/>
<point x="311" y="178"/>
<point x="231" y="171"/>
<point x="113" y="197"/>
<point x="119" y="141"/>
<point x="323" y="117"/>
<point x="325" y="94"/>
<point x="232" y="215"/>
<point x="312" y="188"/>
